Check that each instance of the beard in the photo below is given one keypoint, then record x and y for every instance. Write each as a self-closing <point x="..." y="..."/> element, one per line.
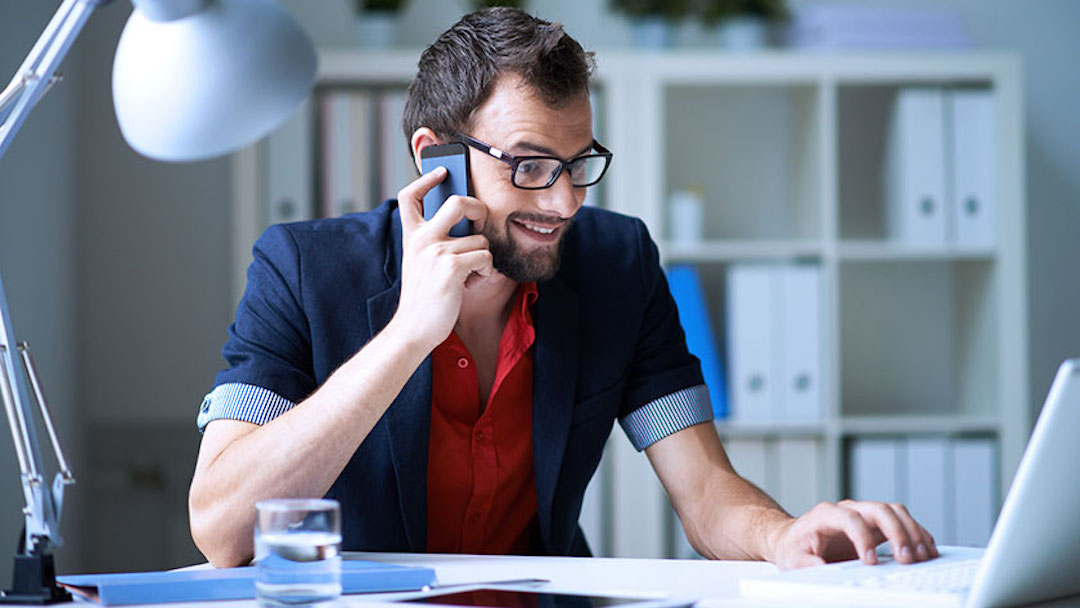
<point x="511" y="259"/>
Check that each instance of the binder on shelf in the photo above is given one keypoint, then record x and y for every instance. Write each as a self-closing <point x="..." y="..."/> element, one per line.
<point x="971" y="147"/>
<point x="752" y="343"/>
<point x="686" y="290"/>
<point x="974" y="499"/>
<point x="395" y="164"/>
<point x="875" y="469"/>
<point x="345" y="132"/>
<point x="928" y="485"/>
<point x="289" y="184"/>
<point x="915" y="168"/>
<point x="798" y="472"/>
<point x="800" y="374"/>
<point x="230" y="583"/>
<point x="775" y="343"/>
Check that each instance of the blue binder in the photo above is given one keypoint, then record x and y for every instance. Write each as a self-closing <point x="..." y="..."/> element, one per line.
<point x="685" y="286"/>
<point x="230" y="583"/>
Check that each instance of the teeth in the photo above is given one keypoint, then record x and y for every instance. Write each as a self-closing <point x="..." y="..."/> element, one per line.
<point x="539" y="229"/>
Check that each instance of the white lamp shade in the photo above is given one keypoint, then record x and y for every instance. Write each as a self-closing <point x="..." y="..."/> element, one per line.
<point x="212" y="82"/>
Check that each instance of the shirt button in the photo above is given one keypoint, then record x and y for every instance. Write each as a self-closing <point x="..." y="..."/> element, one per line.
<point x="480" y="437"/>
<point x="463" y="362"/>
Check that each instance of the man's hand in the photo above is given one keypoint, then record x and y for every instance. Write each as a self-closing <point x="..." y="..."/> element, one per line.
<point x="850" y="530"/>
<point x="436" y="267"/>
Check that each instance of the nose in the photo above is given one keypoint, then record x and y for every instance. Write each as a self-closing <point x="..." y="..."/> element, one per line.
<point x="562" y="198"/>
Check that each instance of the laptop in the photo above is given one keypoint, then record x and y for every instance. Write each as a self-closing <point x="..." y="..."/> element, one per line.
<point x="1033" y="554"/>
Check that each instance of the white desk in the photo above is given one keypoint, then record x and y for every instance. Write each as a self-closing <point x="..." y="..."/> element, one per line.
<point x="715" y="582"/>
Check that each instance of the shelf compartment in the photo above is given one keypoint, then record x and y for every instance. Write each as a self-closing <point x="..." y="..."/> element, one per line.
<point x="919" y="338"/>
<point x="887" y="251"/>
<point x="916" y="425"/>
<point x="737" y="250"/>
<point x="863" y="123"/>
<point x="753" y="150"/>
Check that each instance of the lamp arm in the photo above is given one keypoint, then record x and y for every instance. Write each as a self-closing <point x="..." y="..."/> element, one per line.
<point x="36" y="73"/>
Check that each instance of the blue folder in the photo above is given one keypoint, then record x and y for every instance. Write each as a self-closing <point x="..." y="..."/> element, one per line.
<point x="686" y="290"/>
<point x="229" y="583"/>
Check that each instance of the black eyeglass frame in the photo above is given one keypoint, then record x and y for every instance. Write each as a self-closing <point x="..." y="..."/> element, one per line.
<point x="514" y="161"/>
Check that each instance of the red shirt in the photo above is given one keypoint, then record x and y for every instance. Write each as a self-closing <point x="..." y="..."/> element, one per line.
<point x="481" y="491"/>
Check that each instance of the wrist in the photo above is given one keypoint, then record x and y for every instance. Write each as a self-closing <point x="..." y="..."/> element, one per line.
<point x="775" y="526"/>
<point x="408" y="337"/>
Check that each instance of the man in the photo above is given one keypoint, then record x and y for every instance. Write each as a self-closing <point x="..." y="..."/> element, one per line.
<point x="455" y="394"/>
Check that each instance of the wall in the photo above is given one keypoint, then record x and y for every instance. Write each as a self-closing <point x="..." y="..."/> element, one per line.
<point x="36" y="254"/>
<point x="118" y="266"/>
<point x="153" y="284"/>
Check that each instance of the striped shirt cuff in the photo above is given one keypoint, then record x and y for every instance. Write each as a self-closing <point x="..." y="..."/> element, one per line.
<point x="246" y="402"/>
<point x="661" y="417"/>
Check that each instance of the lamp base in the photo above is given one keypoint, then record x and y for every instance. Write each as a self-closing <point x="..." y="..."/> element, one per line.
<point x="34" y="582"/>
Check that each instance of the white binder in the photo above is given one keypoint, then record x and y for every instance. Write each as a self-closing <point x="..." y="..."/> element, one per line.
<point x="928" y="486"/>
<point x="971" y="147"/>
<point x="974" y="495"/>
<point x="875" y="469"/>
<point x="801" y="318"/>
<point x="289" y="186"/>
<point x="345" y="164"/>
<point x="915" y="169"/>
<point x="799" y="471"/>
<point x="752" y="343"/>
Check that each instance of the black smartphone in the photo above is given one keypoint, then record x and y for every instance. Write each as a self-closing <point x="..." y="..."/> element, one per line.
<point x="455" y="157"/>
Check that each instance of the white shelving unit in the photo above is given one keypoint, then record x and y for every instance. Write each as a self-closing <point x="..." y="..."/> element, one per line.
<point x="787" y="148"/>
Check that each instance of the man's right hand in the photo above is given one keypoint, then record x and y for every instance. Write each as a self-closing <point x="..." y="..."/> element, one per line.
<point x="436" y="268"/>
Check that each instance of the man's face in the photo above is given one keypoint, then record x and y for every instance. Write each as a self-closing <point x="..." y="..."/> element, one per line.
<point x="526" y="228"/>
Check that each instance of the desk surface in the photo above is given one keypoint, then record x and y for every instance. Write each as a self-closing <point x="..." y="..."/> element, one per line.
<point x="715" y="582"/>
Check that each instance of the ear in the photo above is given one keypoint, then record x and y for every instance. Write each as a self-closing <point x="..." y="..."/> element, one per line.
<point x="422" y="138"/>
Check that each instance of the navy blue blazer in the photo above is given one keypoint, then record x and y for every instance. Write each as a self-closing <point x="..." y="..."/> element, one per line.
<point x="608" y="340"/>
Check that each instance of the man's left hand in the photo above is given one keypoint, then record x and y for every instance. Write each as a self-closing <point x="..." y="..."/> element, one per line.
<point x="850" y="530"/>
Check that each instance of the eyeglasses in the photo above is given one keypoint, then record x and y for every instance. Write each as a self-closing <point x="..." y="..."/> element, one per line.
<point x="539" y="172"/>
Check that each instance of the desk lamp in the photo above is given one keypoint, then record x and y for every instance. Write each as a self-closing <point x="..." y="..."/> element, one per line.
<point x="192" y="79"/>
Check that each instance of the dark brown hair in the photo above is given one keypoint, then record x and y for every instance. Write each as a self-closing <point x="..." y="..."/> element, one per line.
<point x="457" y="72"/>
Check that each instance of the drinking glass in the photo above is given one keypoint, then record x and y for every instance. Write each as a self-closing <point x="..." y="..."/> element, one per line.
<point x="297" y="552"/>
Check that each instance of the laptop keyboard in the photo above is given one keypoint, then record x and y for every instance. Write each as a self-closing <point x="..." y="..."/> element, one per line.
<point x="949" y="577"/>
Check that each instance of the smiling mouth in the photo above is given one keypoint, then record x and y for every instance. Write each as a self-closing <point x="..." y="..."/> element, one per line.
<point x="540" y="231"/>
<point x="536" y="228"/>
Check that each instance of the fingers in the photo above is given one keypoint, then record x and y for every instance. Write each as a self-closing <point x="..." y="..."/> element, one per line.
<point x="411" y="198"/>
<point x="476" y="262"/>
<point x="921" y="542"/>
<point x="909" y="541"/>
<point x="852" y="524"/>
<point x="454" y="210"/>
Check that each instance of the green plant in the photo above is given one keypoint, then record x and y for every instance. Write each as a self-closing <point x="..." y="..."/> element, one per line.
<point x="482" y="4"/>
<point x="672" y="10"/>
<point x="380" y="6"/>
<point x="715" y="11"/>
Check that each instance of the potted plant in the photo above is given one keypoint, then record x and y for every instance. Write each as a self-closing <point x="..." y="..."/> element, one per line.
<point x="377" y="22"/>
<point x="652" y="21"/>
<point x="742" y="24"/>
